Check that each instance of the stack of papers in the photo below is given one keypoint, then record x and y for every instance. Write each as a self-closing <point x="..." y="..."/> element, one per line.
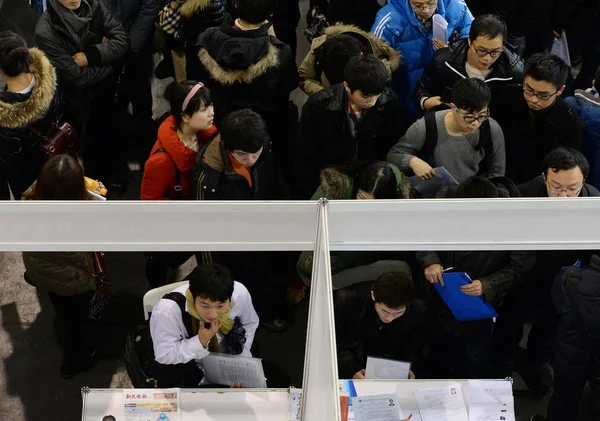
<point x="490" y="400"/>
<point x="383" y="368"/>
<point x="430" y="188"/>
<point x="376" y="408"/>
<point x="442" y="403"/>
<point x="224" y="369"/>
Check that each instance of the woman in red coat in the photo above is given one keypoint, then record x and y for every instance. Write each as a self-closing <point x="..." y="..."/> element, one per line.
<point x="168" y="169"/>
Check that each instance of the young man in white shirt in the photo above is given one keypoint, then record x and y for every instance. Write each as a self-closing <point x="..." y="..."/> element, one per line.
<point x="212" y="313"/>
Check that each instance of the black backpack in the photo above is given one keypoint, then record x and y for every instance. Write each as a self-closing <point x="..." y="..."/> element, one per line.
<point x="431" y="139"/>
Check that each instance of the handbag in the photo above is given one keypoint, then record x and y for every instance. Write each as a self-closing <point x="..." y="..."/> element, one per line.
<point x="102" y="293"/>
<point x="61" y="138"/>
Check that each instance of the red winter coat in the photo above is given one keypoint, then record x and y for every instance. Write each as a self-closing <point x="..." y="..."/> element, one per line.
<point x="159" y="178"/>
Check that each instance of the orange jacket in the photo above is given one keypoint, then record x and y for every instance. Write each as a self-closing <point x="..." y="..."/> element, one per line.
<point x="159" y="178"/>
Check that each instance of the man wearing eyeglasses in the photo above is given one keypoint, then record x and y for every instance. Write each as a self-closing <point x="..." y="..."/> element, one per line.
<point x="481" y="56"/>
<point x="406" y="25"/>
<point x="457" y="140"/>
<point x="563" y="175"/>
<point x="538" y="120"/>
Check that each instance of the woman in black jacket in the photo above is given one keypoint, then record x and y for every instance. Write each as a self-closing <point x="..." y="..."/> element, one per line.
<point x="86" y="43"/>
<point x="28" y="105"/>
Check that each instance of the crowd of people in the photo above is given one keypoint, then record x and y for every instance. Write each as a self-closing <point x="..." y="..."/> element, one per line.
<point x="386" y="100"/>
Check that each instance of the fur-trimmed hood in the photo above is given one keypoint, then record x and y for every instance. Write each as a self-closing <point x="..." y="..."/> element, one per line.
<point x="336" y="185"/>
<point x="231" y="55"/>
<point x="18" y="114"/>
<point x="191" y="7"/>
<point x="377" y="46"/>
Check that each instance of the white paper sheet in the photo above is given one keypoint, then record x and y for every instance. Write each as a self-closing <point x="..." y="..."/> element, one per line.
<point x="152" y="404"/>
<point x="442" y="403"/>
<point x="227" y="369"/>
<point x="440" y="29"/>
<point x="295" y="403"/>
<point x="376" y="408"/>
<point x="383" y="368"/>
<point x="490" y="400"/>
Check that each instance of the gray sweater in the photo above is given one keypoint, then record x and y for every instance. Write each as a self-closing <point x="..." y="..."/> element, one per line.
<point x="456" y="153"/>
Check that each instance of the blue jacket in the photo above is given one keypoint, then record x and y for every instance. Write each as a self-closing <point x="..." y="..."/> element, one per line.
<point x="397" y="25"/>
<point x="587" y="106"/>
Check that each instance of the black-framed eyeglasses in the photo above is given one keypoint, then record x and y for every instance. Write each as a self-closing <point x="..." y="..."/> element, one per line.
<point x="482" y="53"/>
<point x="471" y="118"/>
<point x="529" y="93"/>
<point x="569" y="191"/>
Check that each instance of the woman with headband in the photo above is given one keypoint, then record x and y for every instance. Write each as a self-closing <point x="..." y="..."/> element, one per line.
<point x="168" y="170"/>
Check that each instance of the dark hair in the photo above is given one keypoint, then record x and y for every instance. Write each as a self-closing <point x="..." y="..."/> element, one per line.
<point x="244" y="130"/>
<point x="476" y="187"/>
<point x="394" y="289"/>
<point x="547" y="68"/>
<point x="563" y="159"/>
<point x="109" y="418"/>
<point x="61" y="178"/>
<point x="336" y="52"/>
<point x="378" y="179"/>
<point x="15" y="57"/>
<point x="255" y="11"/>
<point x="366" y="73"/>
<point x="213" y="282"/>
<point x="176" y="94"/>
<point x="488" y="26"/>
<point x="471" y="95"/>
<point x="597" y="79"/>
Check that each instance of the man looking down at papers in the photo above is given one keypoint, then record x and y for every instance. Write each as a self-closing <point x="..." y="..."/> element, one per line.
<point x="212" y="313"/>
<point x="494" y="273"/>
<point x="381" y="319"/>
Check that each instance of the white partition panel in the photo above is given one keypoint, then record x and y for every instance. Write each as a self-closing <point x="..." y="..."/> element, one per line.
<point x="491" y="224"/>
<point x="156" y="226"/>
<point x="320" y="395"/>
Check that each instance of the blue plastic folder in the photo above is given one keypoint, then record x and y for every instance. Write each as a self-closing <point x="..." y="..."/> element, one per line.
<point x="464" y="307"/>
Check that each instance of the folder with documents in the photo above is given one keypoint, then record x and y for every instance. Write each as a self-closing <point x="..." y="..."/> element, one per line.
<point x="464" y="307"/>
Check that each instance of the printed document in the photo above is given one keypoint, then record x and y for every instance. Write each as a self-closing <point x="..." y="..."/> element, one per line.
<point x="383" y="368"/>
<point x="490" y="400"/>
<point x="223" y="369"/>
<point x="376" y="408"/>
<point x="152" y="404"/>
<point x="442" y="403"/>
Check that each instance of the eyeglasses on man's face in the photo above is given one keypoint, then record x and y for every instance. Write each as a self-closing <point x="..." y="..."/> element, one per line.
<point x="571" y="191"/>
<point x="423" y="6"/>
<point x="483" y="52"/>
<point x="542" y="96"/>
<point x="470" y="118"/>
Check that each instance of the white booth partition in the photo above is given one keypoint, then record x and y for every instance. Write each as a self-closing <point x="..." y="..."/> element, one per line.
<point x="495" y="224"/>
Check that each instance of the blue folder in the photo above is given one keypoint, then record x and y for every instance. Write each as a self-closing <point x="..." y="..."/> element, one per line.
<point x="464" y="307"/>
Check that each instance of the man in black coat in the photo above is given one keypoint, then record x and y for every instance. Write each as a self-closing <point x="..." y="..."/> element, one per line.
<point x="481" y="56"/>
<point x="537" y="120"/>
<point x="358" y="119"/>
<point x="564" y="174"/>
<point x="381" y="319"/>
<point x="86" y="43"/>
<point x="494" y="274"/>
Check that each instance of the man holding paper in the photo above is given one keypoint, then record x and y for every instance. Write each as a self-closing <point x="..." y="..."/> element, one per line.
<point x="212" y="313"/>
<point x="382" y="319"/>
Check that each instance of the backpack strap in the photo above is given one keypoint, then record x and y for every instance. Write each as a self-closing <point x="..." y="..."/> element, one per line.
<point x="178" y="189"/>
<point x="573" y="279"/>
<point x="485" y="142"/>
<point x="180" y="299"/>
<point x="431" y="138"/>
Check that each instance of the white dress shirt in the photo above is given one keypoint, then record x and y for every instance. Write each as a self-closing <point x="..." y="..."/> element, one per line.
<point x="172" y="344"/>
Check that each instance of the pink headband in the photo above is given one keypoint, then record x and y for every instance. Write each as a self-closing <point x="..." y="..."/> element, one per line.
<point x="189" y="96"/>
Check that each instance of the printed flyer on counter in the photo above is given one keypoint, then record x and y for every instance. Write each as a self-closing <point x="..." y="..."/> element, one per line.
<point x="152" y="404"/>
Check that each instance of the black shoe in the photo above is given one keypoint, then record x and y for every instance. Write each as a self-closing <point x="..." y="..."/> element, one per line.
<point x="538" y="377"/>
<point x="275" y="325"/>
<point x="71" y="368"/>
<point x="537" y="417"/>
<point x="164" y="69"/>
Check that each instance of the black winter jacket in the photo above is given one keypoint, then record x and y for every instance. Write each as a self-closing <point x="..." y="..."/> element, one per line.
<point x="75" y="81"/>
<point x="530" y="135"/>
<point x="448" y="66"/>
<point x="325" y="137"/>
<point x="137" y="16"/>
<point x="572" y="354"/>
<point x="247" y="69"/>
<point x="524" y="17"/>
<point x="360" y="333"/>
<point x="20" y="113"/>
